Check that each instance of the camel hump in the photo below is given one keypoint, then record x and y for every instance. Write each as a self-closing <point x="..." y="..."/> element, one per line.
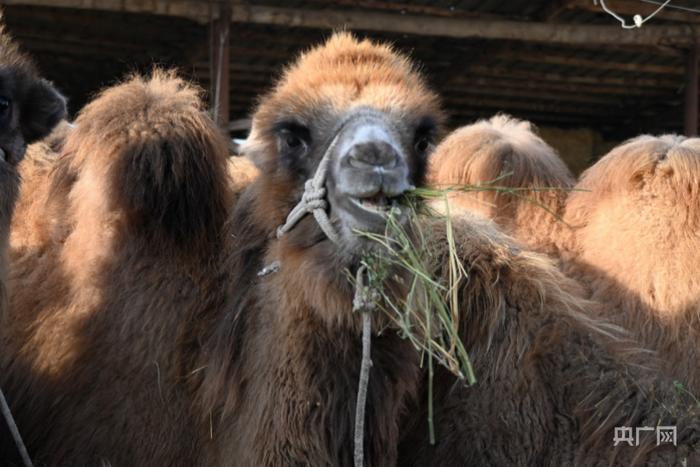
<point x="647" y="173"/>
<point x="161" y="160"/>
<point x="501" y="151"/>
<point x="636" y="215"/>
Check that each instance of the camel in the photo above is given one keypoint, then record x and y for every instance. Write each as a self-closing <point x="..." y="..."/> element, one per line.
<point x="29" y="108"/>
<point x="505" y="152"/>
<point x="157" y="323"/>
<point x="93" y="220"/>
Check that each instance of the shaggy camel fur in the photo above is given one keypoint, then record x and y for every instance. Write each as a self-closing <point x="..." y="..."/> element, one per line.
<point x="636" y="218"/>
<point x="628" y="233"/>
<point x="303" y="339"/>
<point x="31" y="228"/>
<point x="552" y="382"/>
<point x="242" y="172"/>
<point x="508" y="153"/>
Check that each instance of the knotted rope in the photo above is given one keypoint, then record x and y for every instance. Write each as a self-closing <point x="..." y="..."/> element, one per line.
<point x="365" y="300"/>
<point x="313" y="200"/>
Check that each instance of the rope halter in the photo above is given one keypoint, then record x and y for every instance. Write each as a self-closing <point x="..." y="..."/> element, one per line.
<point x="365" y="299"/>
<point x="313" y="200"/>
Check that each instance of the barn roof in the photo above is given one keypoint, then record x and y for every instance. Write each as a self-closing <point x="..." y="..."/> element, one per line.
<point x="561" y="63"/>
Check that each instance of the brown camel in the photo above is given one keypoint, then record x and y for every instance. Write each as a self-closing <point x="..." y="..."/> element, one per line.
<point x="29" y="108"/>
<point x="135" y="280"/>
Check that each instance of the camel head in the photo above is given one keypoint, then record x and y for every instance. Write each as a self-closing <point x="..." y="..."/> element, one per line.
<point x="363" y="112"/>
<point x="29" y="106"/>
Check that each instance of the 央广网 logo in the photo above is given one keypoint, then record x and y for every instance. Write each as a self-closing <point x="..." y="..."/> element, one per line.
<point x="630" y="435"/>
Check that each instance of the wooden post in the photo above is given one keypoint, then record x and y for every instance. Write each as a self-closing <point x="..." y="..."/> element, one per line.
<point x="691" y="93"/>
<point x="219" y="59"/>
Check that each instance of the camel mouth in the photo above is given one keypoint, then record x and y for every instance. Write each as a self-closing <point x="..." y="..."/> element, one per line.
<point x="380" y="204"/>
<point x="370" y="213"/>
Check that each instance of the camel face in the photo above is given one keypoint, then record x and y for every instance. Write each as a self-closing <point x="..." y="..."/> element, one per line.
<point x="371" y="163"/>
<point x="29" y="106"/>
<point x="362" y="108"/>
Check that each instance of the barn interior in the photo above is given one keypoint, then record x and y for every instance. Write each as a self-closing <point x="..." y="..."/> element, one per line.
<point x="568" y="66"/>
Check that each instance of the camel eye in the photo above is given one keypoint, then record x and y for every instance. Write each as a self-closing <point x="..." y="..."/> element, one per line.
<point x="425" y="137"/>
<point x="293" y="139"/>
<point x="422" y="145"/>
<point x="4" y="106"/>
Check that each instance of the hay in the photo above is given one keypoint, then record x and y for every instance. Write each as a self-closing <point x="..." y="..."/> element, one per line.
<point x="428" y="314"/>
<point x="440" y="191"/>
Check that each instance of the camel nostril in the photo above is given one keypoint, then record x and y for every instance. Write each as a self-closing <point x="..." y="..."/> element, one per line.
<point x="373" y="154"/>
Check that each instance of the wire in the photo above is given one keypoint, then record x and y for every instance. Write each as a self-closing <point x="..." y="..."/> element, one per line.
<point x="677" y="7"/>
<point x="638" y="20"/>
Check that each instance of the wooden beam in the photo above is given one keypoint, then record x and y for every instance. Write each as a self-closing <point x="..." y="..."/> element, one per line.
<point x="402" y="7"/>
<point x="241" y="124"/>
<point x="450" y="93"/>
<point x="505" y="71"/>
<point x="574" y="61"/>
<point x="634" y="81"/>
<point x="527" y="82"/>
<point x="651" y="35"/>
<point x="555" y="8"/>
<point x="264" y="75"/>
<point x="195" y="10"/>
<point x="510" y="105"/>
<point x="690" y="125"/>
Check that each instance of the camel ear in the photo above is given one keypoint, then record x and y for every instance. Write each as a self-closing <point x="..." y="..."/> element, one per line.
<point x="43" y="107"/>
